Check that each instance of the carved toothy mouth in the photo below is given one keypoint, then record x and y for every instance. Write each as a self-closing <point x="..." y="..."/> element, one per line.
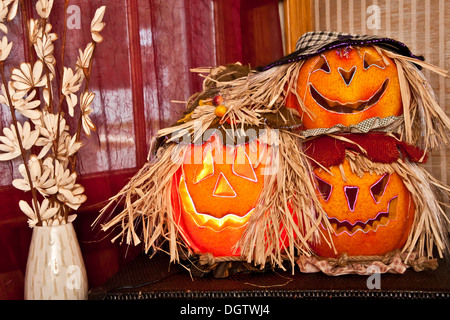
<point x="380" y="220"/>
<point x="205" y="220"/>
<point x="349" y="107"/>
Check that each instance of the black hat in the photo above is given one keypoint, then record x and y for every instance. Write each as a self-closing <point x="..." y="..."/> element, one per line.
<point x="315" y="42"/>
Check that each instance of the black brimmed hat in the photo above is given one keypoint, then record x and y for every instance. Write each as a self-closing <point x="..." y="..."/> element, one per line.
<point x="315" y="42"/>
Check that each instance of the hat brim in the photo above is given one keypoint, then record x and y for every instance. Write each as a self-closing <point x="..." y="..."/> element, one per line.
<point x="343" y="40"/>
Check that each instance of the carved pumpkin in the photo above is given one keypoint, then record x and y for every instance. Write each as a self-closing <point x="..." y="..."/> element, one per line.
<point x="218" y="187"/>
<point x="370" y="215"/>
<point x="346" y="86"/>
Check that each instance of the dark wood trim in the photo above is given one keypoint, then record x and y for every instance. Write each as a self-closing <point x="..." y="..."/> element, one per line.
<point x="297" y="21"/>
<point x="137" y="82"/>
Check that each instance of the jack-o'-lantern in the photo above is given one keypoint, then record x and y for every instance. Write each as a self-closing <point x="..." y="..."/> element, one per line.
<point x="369" y="215"/>
<point x="218" y="187"/>
<point x="348" y="85"/>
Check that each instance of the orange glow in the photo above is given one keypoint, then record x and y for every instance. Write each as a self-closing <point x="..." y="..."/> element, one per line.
<point x="242" y="165"/>
<point x="206" y="220"/>
<point x="207" y="168"/>
<point x="218" y="188"/>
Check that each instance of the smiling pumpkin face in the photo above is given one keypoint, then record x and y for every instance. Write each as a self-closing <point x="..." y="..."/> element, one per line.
<point x="346" y="86"/>
<point x="369" y="215"/>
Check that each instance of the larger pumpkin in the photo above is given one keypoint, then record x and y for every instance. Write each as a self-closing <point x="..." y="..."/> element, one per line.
<point x="345" y="86"/>
<point x="370" y="214"/>
<point x="217" y="189"/>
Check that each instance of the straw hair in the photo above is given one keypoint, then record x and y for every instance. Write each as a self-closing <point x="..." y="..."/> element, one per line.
<point x="249" y="99"/>
<point x="147" y="199"/>
<point x="425" y="123"/>
<point x="287" y="216"/>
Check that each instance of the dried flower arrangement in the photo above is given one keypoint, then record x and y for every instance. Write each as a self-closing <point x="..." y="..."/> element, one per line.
<point x="30" y="95"/>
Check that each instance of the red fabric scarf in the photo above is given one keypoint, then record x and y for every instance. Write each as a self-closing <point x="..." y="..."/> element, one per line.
<point x="329" y="151"/>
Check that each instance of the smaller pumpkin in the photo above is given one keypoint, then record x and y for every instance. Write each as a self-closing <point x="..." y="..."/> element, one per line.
<point x="345" y="86"/>
<point x="370" y="214"/>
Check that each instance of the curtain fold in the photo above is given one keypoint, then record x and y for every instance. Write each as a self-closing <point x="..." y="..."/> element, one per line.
<point x="175" y="37"/>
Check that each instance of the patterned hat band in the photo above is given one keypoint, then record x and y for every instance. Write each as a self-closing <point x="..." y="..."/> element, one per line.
<point x="316" y="42"/>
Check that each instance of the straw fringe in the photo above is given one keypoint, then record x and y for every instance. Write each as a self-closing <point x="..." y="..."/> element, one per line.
<point x="259" y="92"/>
<point x="247" y="98"/>
<point x="429" y="229"/>
<point x="287" y="204"/>
<point x="147" y="199"/>
<point x="425" y="122"/>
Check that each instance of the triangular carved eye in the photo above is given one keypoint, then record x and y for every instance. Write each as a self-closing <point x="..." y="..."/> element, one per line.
<point x="378" y="188"/>
<point x="321" y="64"/>
<point x="324" y="188"/>
<point x="242" y="166"/>
<point x="207" y="167"/>
<point x="370" y="60"/>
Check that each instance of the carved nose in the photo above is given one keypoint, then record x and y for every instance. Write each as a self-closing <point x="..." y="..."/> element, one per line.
<point x="347" y="76"/>
<point x="351" y="193"/>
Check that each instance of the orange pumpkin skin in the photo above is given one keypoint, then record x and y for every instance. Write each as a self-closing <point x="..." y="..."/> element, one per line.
<point x="346" y="88"/>
<point x="217" y="188"/>
<point x="361" y="225"/>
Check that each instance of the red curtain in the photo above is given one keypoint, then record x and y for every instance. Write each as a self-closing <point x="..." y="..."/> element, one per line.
<point x="140" y="69"/>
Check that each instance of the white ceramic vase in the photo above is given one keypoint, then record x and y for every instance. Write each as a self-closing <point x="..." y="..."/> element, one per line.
<point x="55" y="266"/>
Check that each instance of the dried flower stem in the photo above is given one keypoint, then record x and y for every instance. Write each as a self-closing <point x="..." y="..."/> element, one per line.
<point x="27" y="29"/>
<point x="87" y="75"/>
<point x="63" y="45"/>
<point x="22" y="149"/>
<point x="63" y="51"/>
<point x="61" y="95"/>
